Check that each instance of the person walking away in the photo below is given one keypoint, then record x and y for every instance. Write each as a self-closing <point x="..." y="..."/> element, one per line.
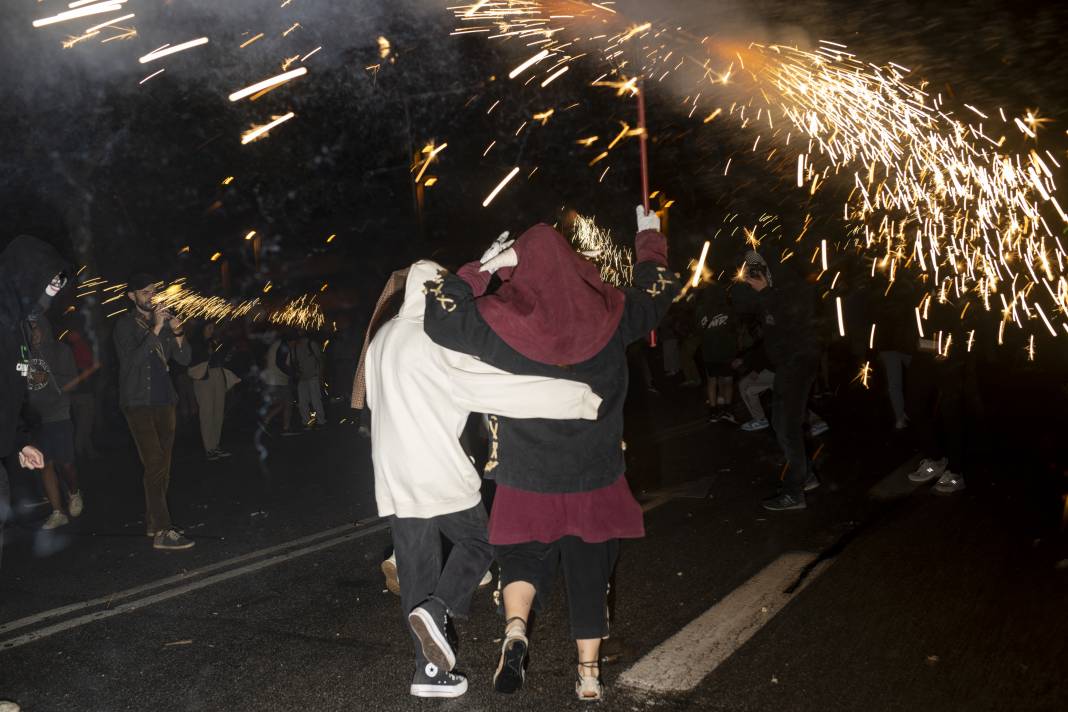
<point x="31" y="274"/>
<point x="433" y="490"/>
<point x="52" y="375"/>
<point x="719" y="346"/>
<point x="308" y="358"/>
<point x="147" y="339"/>
<point x="793" y="340"/>
<point x="209" y="385"/>
<point x="562" y="498"/>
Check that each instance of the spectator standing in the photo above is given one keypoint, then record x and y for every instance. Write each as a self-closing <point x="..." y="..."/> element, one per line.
<point x="794" y="341"/>
<point x="52" y="374"/>
<point x="82" y="398"/>
<point x="719" y="346"/>
<point x="209" y="384"/>
<point x="31" y="274"/>
<point x="147" y="338"/>
<point x="278" y="385"/>
<point x="307" y="356"/>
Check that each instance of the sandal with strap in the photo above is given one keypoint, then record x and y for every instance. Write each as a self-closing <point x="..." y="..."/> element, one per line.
<point x="511" y="668"/>
<point x="588" y="688"/>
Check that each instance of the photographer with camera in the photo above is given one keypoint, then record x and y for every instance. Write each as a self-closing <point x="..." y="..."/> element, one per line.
<point x="147" y="338"/>
<point x="31" y="274"/>
<point x="793" y="341"/>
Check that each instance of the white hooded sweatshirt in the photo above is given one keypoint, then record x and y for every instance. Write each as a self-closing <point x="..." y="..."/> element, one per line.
<point x="421" y="395"/>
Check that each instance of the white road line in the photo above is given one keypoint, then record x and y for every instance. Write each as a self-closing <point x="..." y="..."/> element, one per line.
<point x="681" y="662"/>
<point x="178" y="578"/>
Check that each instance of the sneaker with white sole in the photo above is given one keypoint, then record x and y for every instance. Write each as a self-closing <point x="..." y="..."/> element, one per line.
<point x="55" y="521"/>
<point x="785" y="501"/>
<point x="76" y="505"/>
<point x="751" y="426"/>
<point x="430" y="622"/>
<point x="949" y="483"/>
<point x="389" y="570"/>
<point x="813" y="482"/>
<point x="432" y="681"/>
<point x="928" y="470"/>
<point x="171" y="540"/>
<point x="818" y="428"/>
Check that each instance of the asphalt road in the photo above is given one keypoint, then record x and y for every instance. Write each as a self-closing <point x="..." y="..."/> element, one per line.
<point x="920" y="603"/>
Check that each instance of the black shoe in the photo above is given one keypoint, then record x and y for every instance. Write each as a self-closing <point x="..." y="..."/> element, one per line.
<point x="220" y="453"/>
<point x="511" y="669"/>
<point x="714" y="415"/>
<point x="430" y="623"/>
<point x="727" y="417"/>
<point x="784" y="501"/>
<point x="211" y="455"/>
<point x="812" y="482"/>
<point x="432" y="681"/>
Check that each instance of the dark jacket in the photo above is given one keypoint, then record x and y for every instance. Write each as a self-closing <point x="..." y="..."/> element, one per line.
<point x="795" y="333"/>
<point x="27" y="265"/>
<point x="584" y="455"/>
<point x="51" y="370"/>
<point x="136" y="344"/>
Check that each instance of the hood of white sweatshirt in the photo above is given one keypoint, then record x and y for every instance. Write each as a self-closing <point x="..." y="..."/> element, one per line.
<point x="419" y="274"/>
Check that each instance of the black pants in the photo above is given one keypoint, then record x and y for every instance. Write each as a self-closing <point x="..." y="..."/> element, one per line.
<point x="5" y="504"/>
<point x="587" y="570"/>
<point x="935" y="400"/>
<point x="789" y="402"/>
<point x="417" y="545"/>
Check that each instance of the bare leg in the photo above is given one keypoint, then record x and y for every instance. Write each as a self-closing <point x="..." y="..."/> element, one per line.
<point x="51" y="487"/>
<point x="726" y="387"/>
<point x="589" y="656"/>
<point x="518" y="599"/>
<point x="711" y="385"/>
<point x="70" y="476"/>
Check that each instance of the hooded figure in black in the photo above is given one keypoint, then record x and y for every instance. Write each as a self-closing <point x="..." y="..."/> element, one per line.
<point x="31" y="274"/>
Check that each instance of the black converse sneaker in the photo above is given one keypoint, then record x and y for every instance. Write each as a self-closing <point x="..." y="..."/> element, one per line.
<point x="430" y="621"/>
<point x="432" y="681"/>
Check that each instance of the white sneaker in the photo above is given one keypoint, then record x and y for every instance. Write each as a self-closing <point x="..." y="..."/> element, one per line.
<point x="754" y="425"/>
<point x="949" y="483"/>
<point x="55" y="520"/>
<point x="928" y="470"/>
<point x="8" y="706"/>
<point x="76" y="505"/>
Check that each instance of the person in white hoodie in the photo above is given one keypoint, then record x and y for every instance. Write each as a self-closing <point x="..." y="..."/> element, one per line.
<point x="420" y="396"/>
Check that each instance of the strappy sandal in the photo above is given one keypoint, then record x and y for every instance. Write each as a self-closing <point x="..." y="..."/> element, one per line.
<point x="588" y="688"/>
<point x="511" y="668"/>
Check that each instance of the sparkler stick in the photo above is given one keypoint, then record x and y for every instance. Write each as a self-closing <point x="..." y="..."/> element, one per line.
<point x="644" y="153"/>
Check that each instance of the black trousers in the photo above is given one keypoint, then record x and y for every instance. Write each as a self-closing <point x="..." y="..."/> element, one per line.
<point x="587" y="569"/>
<point x="789" y="402"/>
<point x="935" y="396"/>
<point x="418" y="548"/>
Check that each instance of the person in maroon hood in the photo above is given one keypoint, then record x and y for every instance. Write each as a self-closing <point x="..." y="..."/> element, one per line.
<point x="562" y="499"/>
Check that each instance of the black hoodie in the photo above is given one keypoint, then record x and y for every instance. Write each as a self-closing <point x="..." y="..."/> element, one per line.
<point x="27" y="265"/>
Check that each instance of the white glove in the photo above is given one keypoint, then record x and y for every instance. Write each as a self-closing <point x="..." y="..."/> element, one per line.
<point x="648" y="222"/>
<point x="499" y="245"/>
<point x="507" y="258"/>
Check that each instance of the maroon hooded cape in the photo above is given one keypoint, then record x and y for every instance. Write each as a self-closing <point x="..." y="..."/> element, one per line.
<point x="553" y="308"/>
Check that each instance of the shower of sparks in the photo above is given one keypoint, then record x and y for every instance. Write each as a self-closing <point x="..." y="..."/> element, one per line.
<point x="616" y="263"/>
<point x="931" y="191"/>
<point x="302" y="313"/>
<point x="500" y="187"/>
<point x="268" y="83"/>
<point x="168" y="50"/>
<point x="257" y="132"/>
